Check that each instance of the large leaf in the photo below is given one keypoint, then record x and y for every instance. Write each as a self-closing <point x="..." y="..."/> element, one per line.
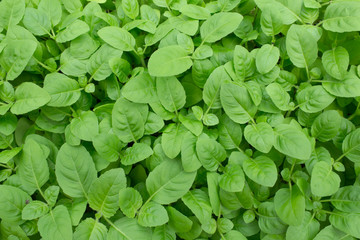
<point x="11" y="12"/>
<point x="237" y="103"/>
<point x="33" y="166"/>
<point x="336" y="62"/>
<point x="56" y="224"/>
<point x="211" y="93"/>
<point x="290" y="205"/>
<point x="351" y="146"/>
<point x="12" y="201"/>
<point x="170" y="93"/>
<point x="347" y="199"/>
<point x="261" y="170"/>
<point x="90" y="229"/>
<point x="104" y="191"/>
<point x="301" y="46"/>
<point x="260" y="136"/>
<point x="342" y="17"/>
<point x="169" y="61"/>
<point x="324" y="182"/>
<point x="168" y="182"/>
<point x="128" y="229"/>
<point x="118" y="38"/>
<point x="29" y="97"/>
<point x="128" y="120"/>
<point x="64" y="91"/>
<point x="75" y="170"/>
<point x="210" y="153"/>
<point x="219" y="25"/>
<point x="292" y="142"/>
<point x="314" y="99"/>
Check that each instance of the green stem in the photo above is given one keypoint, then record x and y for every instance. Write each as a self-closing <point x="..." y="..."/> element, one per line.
<point x="5" y="166"/>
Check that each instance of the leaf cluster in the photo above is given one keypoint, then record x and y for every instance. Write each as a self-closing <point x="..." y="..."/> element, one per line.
<point x="179" y="119"/>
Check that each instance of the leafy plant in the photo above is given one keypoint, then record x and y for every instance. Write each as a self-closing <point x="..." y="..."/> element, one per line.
<point x="164" y="120"/>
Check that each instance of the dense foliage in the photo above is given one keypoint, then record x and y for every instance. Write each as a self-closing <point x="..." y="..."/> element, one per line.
<point x="175" y="119"/>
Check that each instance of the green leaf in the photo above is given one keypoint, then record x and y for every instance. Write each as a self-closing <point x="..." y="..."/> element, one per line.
<point x="12" y="202"/>
<point x="326" y="125"/>
<point x="219" y="25"/>
<point x="172" y="139"/>
<point x="314" y="99"/>
<point x="128" y="120"/>
<point x="342" y="17"/>
<point x="211" y="93"/>
<point x="11" y="12"/>
<point x="90" y="229"/>
<point x="85" y="126"/>
<point x="346" y="222"/>
<point x="171" y="93"/>
<point x="210" y="153"/>
<point x="7" y="155"/>
<point x="306" y="230"/>
<point x="136" y="153"/>
<point x="351" y="146"/>
<point x="198" y="202"/>
<point x="129" y="201"/>
<point x="347" y="87"/>
<point x="178" y="221"/>
<point x="336" y="62"/>
<point x="52" y="8"/>
<point x="99" y="63"/>
<point x="260" y="136"/>
<point x="75" y="170"/>
<point x="261" y="170"/>
<point x="129" y="229"/>
<point x="292" y="142"/>
<point x="29" y="97"/>
<point x="233" y="179"/>
<point x="33" y="166"/>
<point x="230" y="133"/>
<point x="214" y="189"/>
<point x="164" y="233"/>
<point x="108" y="146"/>
<point x="72" y="31"/>
<point x="140" y="89"/>
<point x="347" y="199"/>
<point x="237" y="103"/>
<point x="56" y="224"/>
<point x="331" y="233"/>
<point x="64" y="91"/>
<point x="324" y="182"/>
<point x="266" y="58"/>
<point x="301" y="46"/>
<point x="117" y="38"/>
<point x="15" y="56"/>
<point x="278" y="96"/>
<point x="168" y="182"/>
<point x="191" y="123"/>
<point x="290" y="205"/>
<point x="152" y="214"/>
<point x="244" y="65"/>
<point x="104" y="191"/>
<point x="37" y="22"/>
<point x="131" y="8"/>
<point x="287" y="11"/>
<point x="195" y="12"/>
<point x="189" y="158"/>
<point x="169" y="61"/>
<point x="269" y="222"/>
<point x="34" y="209"/>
